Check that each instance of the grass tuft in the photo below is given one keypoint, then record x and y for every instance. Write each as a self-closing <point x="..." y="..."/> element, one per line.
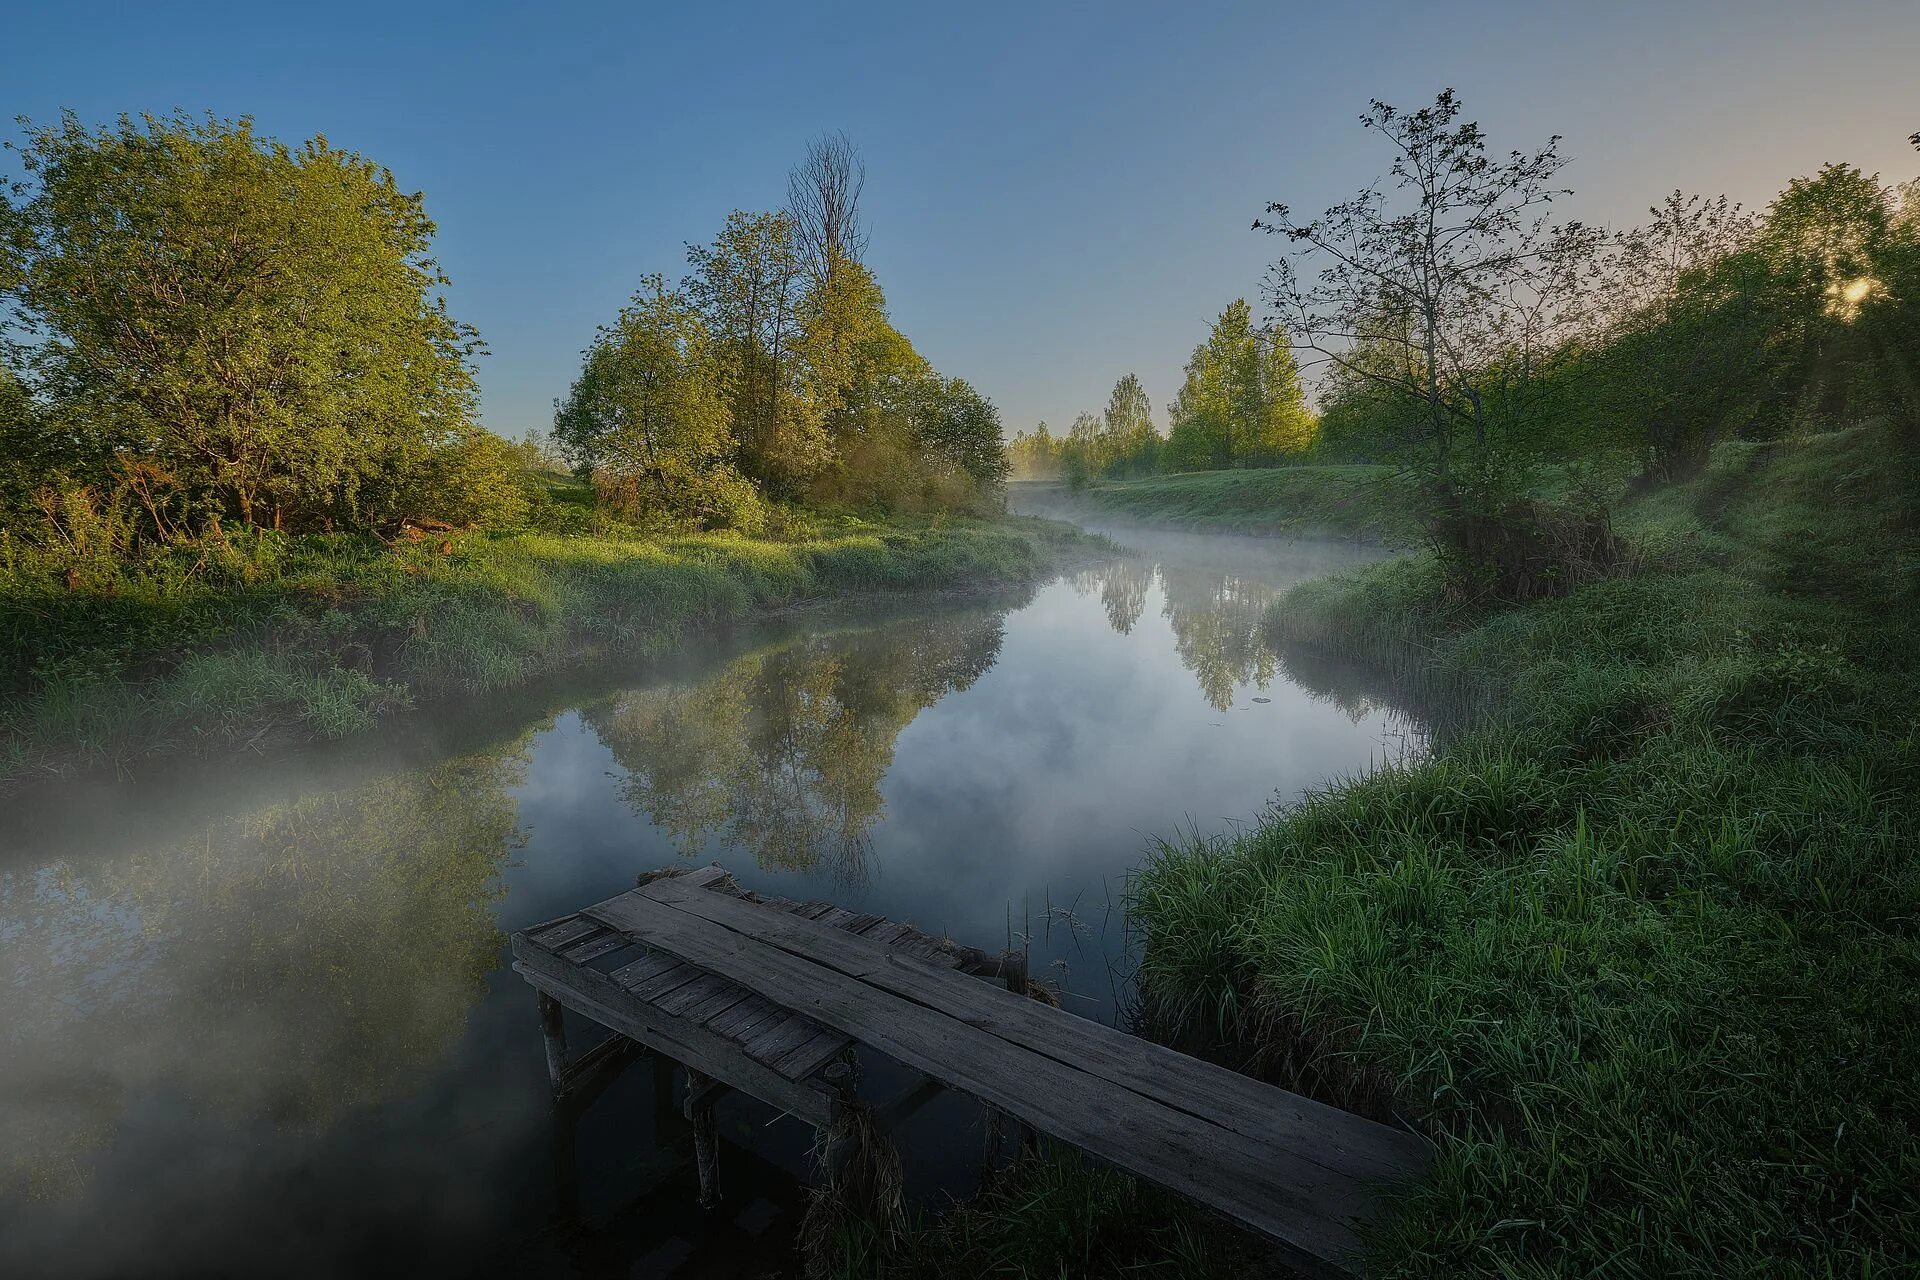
<point x="1637" y="942"/>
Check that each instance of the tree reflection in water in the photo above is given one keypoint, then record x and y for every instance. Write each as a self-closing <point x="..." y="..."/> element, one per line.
<point x="1218" y="618"/>
<point x="782" y="753"/>
<point x="289" y="963"/>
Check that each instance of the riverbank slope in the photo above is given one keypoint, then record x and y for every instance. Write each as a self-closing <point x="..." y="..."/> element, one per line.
<point x="1636" y="943"/>
<point x="258" y="637"/>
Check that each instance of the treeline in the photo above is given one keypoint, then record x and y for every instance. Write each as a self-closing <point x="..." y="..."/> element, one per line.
<point x="1507" y="338"/>
<point x="207" y="328"/>
<point x="771" y="373"/>
<point x="1465" y="332"/>
<point x="1709" y="322"/>
<point x="1512" y="337"/>
<point x="205" y="331"/>
<point x="1241" y="405"/>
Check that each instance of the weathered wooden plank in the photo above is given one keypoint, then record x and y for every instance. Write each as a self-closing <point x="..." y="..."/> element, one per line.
<point x="813" y="910"/>
<point x="865" y="920"/>
<point x="651" y="989"/>
<point x="565" y="932"/>
<point x="1304" y="1206"/>
<point x="705" y="1011"/>
<point x="775" y="1016"/>
<point x="744" y="1014"/>
<point x="928" y="949"/>
<point x="594" y="946"/>
<point x="688" y="994"/>
<point x="645" y="967"/>
<point x="1132" y="1132"/>
<point x="595" y="995"/>
<point x="807" y="1057"/>
<point x="1338" y="1140"/>
<point x="776" y="1042"/>
<point x="835" y="916"/>
<point x="701" y="877"/>
<point x="886" y="933"/>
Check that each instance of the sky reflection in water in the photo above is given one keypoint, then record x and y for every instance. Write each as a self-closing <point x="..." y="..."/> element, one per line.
<point x="258" y="1019"/>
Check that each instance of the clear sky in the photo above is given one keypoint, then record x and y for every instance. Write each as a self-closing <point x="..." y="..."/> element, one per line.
<point x="1058" y="193"/>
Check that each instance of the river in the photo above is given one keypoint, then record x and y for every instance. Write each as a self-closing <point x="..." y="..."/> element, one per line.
<point x="257" y="1013"/>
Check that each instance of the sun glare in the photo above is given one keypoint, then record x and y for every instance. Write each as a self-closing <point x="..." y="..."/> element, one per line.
<point x="1846" y="298"/>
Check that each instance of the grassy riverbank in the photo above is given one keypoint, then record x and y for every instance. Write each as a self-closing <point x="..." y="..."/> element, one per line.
<point x="1637" y="942"/>
<point x="1373" y="504"/>
<point x="257" y="636"/>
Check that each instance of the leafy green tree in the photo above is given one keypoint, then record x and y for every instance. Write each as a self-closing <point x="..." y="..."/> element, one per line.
<point x="748" y="285"/>
<point x="1285" y="426"/>
<point x="649" y="417"/>
<point x="822" y="399"/>
<point x="961" y="429"/>
<point x="1683" y="349"/>
<point x="1129" y="442"/>
<point x="1080" y="458"/>
<point x="1241" y="403"/>
<point x="1455" y="268"/>
<point x="1841" y="258"/>
<point x="1034" y="455"/>
<point x="23" y="447"/>
<point x="260" y="326"/>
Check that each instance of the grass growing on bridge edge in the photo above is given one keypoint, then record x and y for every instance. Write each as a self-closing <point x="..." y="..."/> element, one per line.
<point x="263" y="636"/>
<point x="1640" y="942"/>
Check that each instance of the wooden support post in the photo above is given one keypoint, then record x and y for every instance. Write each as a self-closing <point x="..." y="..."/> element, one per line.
<point x="834" y="1139"/>
<point x="706" y="1138"/>
<point x="553" y="1030"/>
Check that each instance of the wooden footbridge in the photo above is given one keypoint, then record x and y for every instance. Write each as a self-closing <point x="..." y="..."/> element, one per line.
<point x="770" y="998"/>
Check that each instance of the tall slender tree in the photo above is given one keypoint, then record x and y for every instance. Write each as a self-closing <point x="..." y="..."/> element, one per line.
<point x="1129" y="443"/>
<point x="823" y="202"/>
<point x="748" y="285"/>
<point x="1464" y="278"/>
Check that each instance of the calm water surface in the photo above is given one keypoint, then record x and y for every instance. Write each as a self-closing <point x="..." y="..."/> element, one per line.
<point x="257" y="1019"/>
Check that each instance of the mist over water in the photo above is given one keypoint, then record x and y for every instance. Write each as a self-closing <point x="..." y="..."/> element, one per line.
<point x="258" y="1019"/>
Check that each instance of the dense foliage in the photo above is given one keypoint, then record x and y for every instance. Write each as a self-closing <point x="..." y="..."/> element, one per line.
<point x="1707" y="323"/>
<point x="1242" y="405"/>
<point x="773" y="374"/>
<point x="217" y="327"/>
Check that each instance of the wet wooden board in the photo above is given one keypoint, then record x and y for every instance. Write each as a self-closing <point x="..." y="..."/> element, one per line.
<point x="1298" y="1171"/>
<point x="661" y="983"/>
<point x="598" y="997"/>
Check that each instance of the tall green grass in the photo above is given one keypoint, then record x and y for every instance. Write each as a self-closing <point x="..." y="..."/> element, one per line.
<point x="1637" y="943"/>
<point x="260" y="636"/>
<point x="1055" y="1214"/>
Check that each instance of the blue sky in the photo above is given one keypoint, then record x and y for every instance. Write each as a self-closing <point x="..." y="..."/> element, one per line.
<point x="1058" y="193"/>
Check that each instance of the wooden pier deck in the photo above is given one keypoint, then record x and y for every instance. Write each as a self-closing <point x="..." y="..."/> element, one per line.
<point x="770" y="998"/>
